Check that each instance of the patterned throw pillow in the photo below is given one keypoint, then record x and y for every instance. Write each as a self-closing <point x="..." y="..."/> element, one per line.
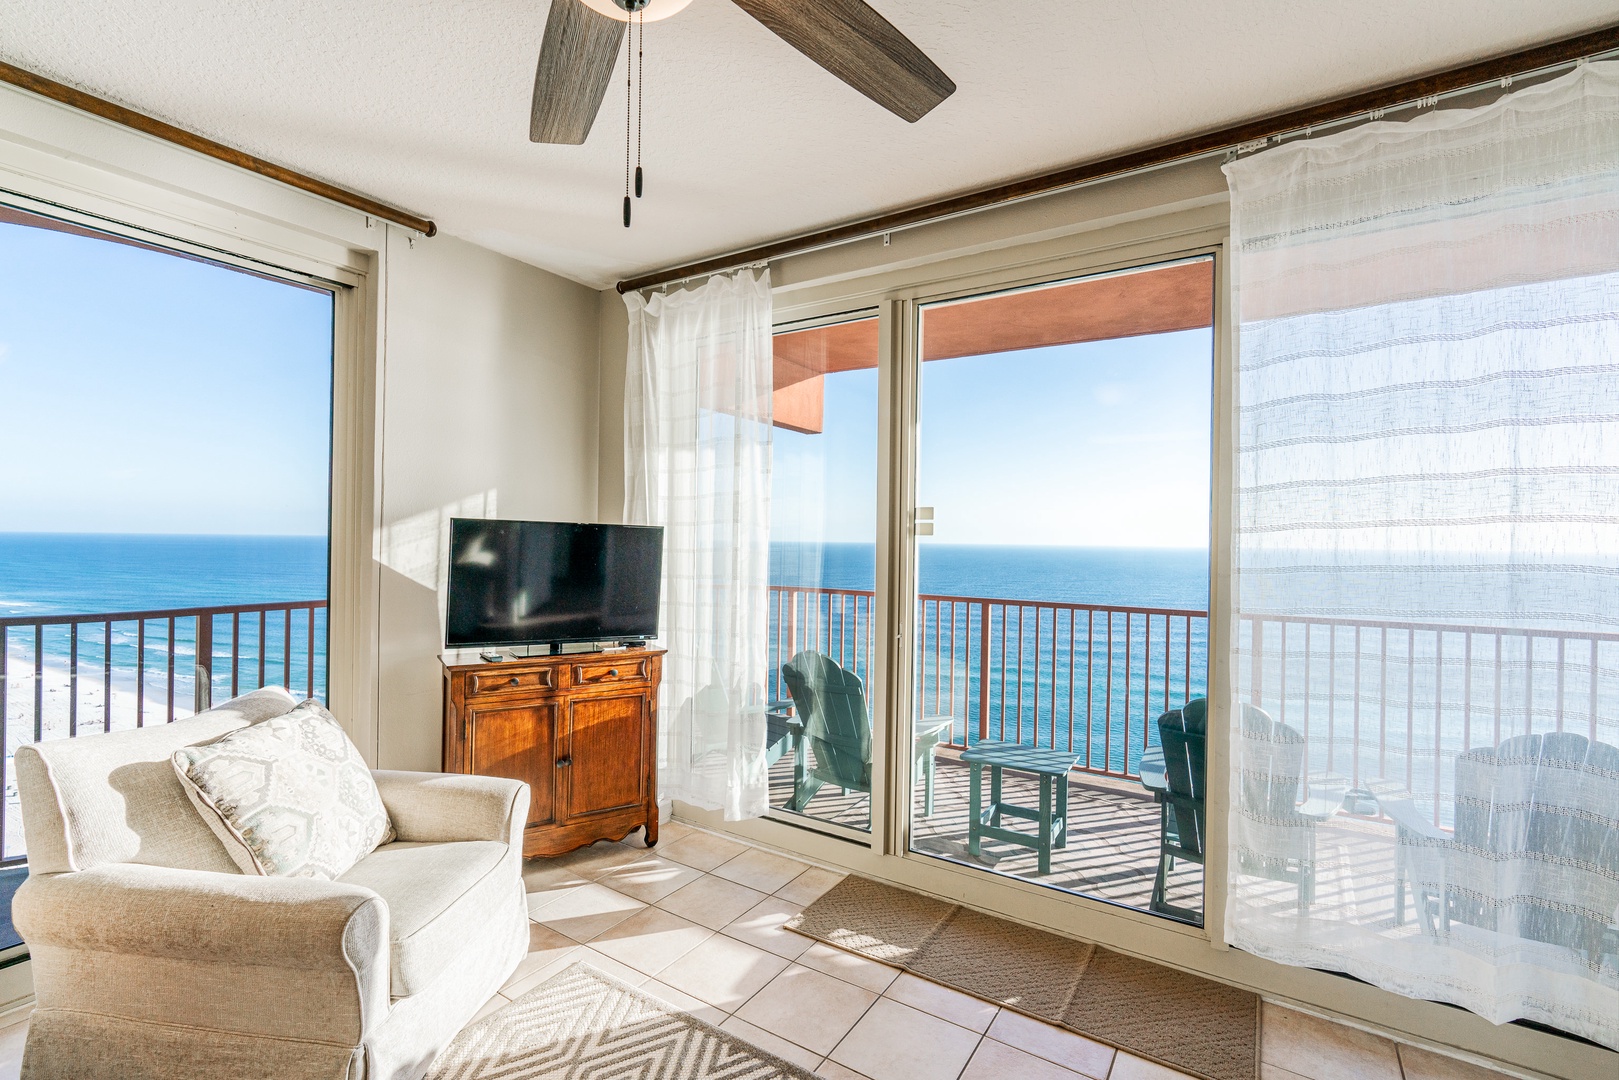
<point x="288" y="797"/>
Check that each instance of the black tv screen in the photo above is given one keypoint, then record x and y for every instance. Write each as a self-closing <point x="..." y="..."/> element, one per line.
<point x="544" y="582"/>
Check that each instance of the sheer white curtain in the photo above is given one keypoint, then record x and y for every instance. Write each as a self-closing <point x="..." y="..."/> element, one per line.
<point x="1425" y="779"/>
<point x="697" y="416"/>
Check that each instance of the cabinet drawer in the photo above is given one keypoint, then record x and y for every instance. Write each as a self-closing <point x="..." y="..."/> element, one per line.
<point x="511" y="682"/>
<point x="628" y="669"/>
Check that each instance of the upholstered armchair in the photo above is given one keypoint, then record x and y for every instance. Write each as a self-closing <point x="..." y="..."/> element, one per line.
<point x="154" y="956"/>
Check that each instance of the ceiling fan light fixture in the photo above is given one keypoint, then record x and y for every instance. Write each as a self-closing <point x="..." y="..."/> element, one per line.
<point x="651" y="11"/>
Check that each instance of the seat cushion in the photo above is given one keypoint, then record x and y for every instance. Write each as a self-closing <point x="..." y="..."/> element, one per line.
<point x="439" y="896"/>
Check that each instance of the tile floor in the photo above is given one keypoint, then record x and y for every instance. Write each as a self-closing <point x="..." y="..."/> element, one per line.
<point x="697" y="922"/>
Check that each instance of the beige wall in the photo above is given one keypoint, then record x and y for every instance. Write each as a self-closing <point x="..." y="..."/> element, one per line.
<point x="487" y="408"/>
<point x="613" y="342"/>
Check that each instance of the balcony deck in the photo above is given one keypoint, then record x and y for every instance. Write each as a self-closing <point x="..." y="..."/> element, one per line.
<point x="1113" y="852"/>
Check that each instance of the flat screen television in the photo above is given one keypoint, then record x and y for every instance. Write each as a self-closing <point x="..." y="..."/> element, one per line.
<point x="551" y="582"/>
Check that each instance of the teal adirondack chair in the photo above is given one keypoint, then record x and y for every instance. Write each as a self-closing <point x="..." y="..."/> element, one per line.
<point x="834" y="745"/>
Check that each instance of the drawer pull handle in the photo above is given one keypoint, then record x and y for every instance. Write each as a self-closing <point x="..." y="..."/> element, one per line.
<point x="512" y="681"/>
<point x="612" y="673"/>
<point x="563" y="761"/>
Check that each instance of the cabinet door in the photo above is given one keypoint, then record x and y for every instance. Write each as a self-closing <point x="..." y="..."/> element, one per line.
<point x="607" y="742"/>
<point x="519" y="742"/>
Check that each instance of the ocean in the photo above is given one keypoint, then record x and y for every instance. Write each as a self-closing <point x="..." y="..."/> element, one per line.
<point x="1093" y="681"/>
<point x="1043" y="662"/>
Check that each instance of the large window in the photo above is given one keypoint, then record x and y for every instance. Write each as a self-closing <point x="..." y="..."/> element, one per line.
<point x="164" y="509"/>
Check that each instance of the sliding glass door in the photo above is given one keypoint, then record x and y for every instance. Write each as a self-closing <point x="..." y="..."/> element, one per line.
<point x="1061" y="641"/>
<point x="822" y="573"/>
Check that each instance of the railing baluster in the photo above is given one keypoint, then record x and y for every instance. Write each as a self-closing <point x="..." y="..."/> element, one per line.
<point x="1332" y="692"/>
<point x="1090" y="677"/>
<point x="1467" y="691"/>
<point x="261" y="649"/>
<point x="235" y="650"/>
<point x="1073" y="617"/>
<point x="72" y="681"/>
<point x="1020" y="610"/>
<point x="1528" y="684"/>
<point x="1438" y="719"/>
<point x="1383" y="707"/>
<point x="1497" y="741"/>
<point x="140" y="673"/>
<point x="202" y="680"/>
<point x="1107" y="701"/>
<point x="39" y="681"/>
<point x="1560" y="652"/>
<point x="983" y="671"/>
<point x="1594" y="671"/>
<point x="286" y="651"/>
<point x="1354" y="762"/>
<point x="309" y="675"/>
<point x="106" y="676"/>
<point x="169" y="642"/>
<point x="1410" y="702"/>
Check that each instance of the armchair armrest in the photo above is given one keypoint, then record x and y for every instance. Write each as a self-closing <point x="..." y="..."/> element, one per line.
<point x="1324" y="796"/>
<point x="157" y="911"/>
<point x="1408" y="819"/>
<point x="236" y="953"/>
<point x="442" y="807"/>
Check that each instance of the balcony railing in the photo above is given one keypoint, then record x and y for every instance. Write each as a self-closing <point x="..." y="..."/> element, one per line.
<point x="68" y="675"/>
<point x="1090" y="678"/>
<point x="1386" y="704"/>
<point x="1391" y="704"/>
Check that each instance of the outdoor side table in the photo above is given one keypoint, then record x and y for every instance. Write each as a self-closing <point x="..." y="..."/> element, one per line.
<point x="1051" y="766"/>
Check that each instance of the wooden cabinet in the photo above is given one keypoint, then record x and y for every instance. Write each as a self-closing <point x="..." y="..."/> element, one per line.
<point x="579" y="729"/>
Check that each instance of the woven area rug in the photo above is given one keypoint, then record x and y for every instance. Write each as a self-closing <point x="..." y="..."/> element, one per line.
<point x="1195" y="1025"/>
<point x="583" y="1025"/>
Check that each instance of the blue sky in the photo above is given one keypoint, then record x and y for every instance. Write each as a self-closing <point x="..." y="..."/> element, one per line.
<point x="1104" y="444"/>
<point x="141" y="392"/>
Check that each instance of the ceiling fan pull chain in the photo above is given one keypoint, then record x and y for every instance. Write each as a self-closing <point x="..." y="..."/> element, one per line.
<point x="629" y="101"/>
<point x="640" y="90"/>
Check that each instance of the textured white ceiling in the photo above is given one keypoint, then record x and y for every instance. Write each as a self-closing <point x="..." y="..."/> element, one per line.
<point x="424" y="103"/>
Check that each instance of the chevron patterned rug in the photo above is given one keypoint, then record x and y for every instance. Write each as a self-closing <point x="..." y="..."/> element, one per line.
<point x="583" y="1025"/>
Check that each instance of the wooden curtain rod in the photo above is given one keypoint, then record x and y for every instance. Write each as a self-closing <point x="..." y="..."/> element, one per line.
<point x="1522" y="62"/>
<point x="129" y="118"/>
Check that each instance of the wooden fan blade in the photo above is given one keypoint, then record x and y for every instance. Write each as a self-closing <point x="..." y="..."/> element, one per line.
<point x="859" y="46"/>
<point x="576" y="64"/>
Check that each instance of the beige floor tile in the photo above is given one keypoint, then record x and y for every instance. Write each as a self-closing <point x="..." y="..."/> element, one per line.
<point x="649" y="878"/>
<point x="896" y="1042"/>
<point x="651" y="940"/>
<point x="943" y="1002"/>
<point x="1053" y="1043"/>
<point x="587" y="911"/>
<point x="543" y="875"/>
<point x="711" y="901"/>
<point x="761" y="926"/>
<point x="545" y="947"/>
<point x="1130" y="1067"/>
<point x="597" y="859"/>
<point x="771" y="1043"/>
<point x="808" y="1007"/>
<point x="683" y="1001"/>
<point x="543" y="894"/>
<point x="1420" y="1064"/>
<point x="495" y="1003"/>
<point x="849" y="967"/>
<point x="997" y="1061"/>
<point x="762" y="870"/>
<point x="609" y="966"/>
<point x="582" y="955"/>
<point x="809" y="886"/>
<point x="1321" y="1050"/>
<point x="831" y="1070"/>
<point x="702" y="850"/>
<point x="723" y="972"/>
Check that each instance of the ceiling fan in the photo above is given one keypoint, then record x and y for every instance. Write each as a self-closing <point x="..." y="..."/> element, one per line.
<point x="846" y="37"/>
